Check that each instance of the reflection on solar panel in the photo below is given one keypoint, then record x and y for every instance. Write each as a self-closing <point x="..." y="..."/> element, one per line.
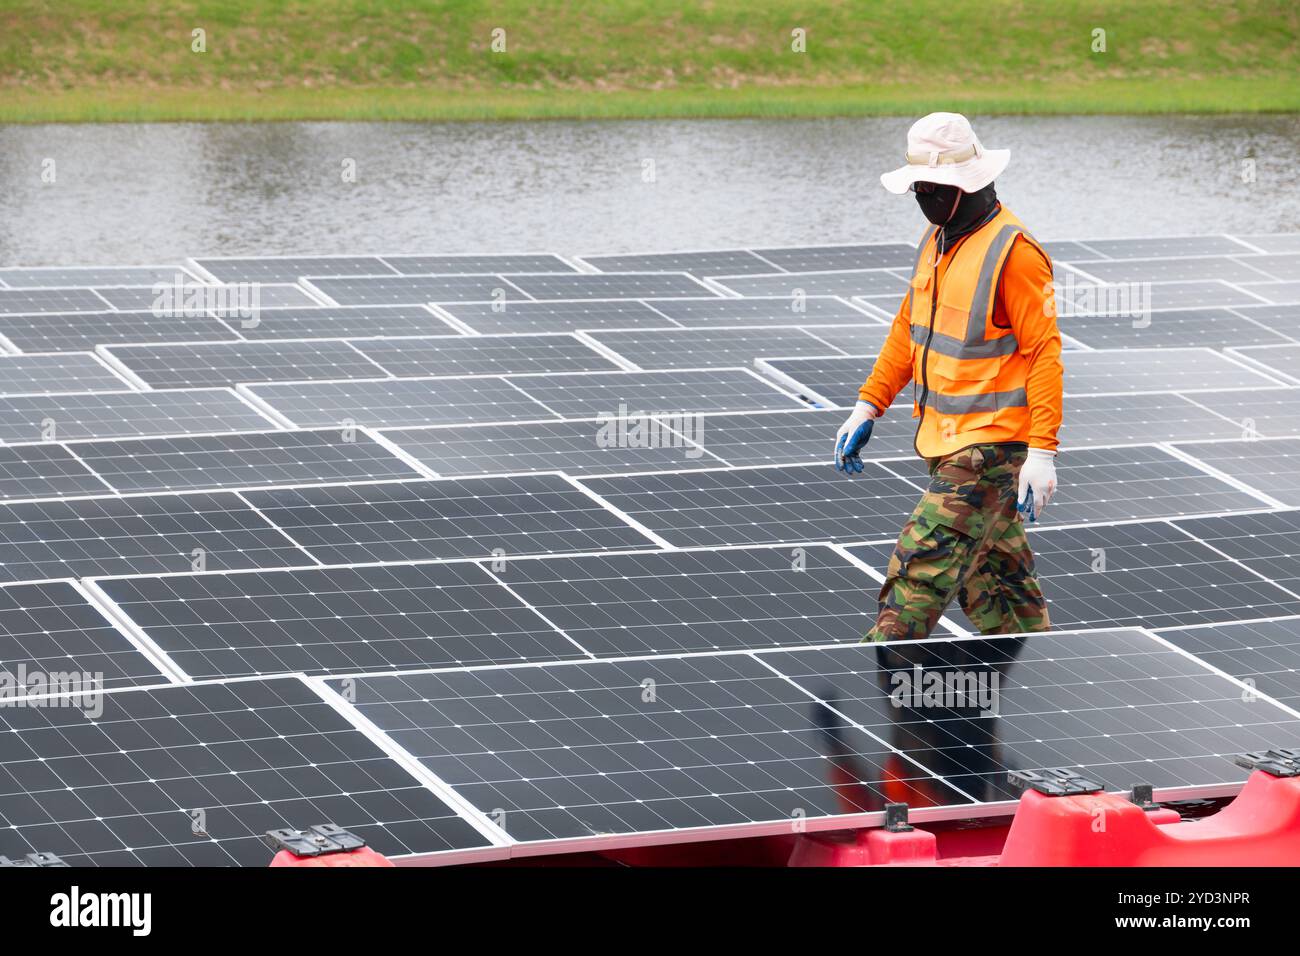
<point x="289" y="268"/>
<point x="699" y="348"/>
<point x="47" y="374"/>
<point x="213" y="461"/>
<point x="82" y="331"/>
<point x="341" y="322"/>
<point x="1115" y="703"/>
<point x="413" y="290"/>
<point x="451" y="518"/>
<point x="849" y="282"/>
<point x="485" y="355"/>
<point x="487" y="317"/>
<point x="148" y="297"/>
<point x="719" y="262"/>
<point x="1211" y="328"/>
<point x="44" y="471"/>
<point x="1124" y="419"/>
<point x="1174" y="270"/>
<point x="336" y="620"/>
<point x="52" y="629"/>
<point x="577" y="750"/>
<point x="772" y="310"/>
<point x="1271" y="466"/>
<point x="609" y="285"/>
<point x="575" y="447"/>
<point x="1268" y="544"/>
<point x="51" y="300"/>
<point x="1269" y="412"/>
<point x="1265" y="654"/>
<point x="144" y="535"/>
<point x="56" y="276"/>
<point x="116" y="414"/>
<point x="223" y="363"/>
<point x="460" y="265"/>
<point x="883" y="255"/>
<point x="396" y="402"/>
<point x="763" y="505"/>
<point x="785" y="437"/>
<point x="1148" y="574"/>
<point x="626" y="605"/>
<point x="127" y="787"/>
<point x="1277" y="358"/>
<point x="687" y="390"/>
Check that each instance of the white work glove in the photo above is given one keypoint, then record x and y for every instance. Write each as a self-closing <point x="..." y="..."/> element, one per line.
<point x="852" y="436"/>
<point x="1037" y="482"/>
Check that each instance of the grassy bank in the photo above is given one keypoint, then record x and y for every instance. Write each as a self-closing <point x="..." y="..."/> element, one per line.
<point x="76" y="60"/>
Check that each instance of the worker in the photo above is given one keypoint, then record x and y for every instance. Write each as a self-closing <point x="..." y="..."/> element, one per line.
<point x="976" y="334"/>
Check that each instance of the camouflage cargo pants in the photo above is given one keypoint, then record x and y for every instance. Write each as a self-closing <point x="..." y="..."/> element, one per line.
<point x="965" y="539"/>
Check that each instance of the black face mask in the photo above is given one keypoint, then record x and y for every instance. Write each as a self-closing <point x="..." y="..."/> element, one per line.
<point x="955" y="211"/>
<point x="940" y="203"/>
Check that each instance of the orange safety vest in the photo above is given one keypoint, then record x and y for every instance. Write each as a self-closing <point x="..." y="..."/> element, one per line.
<point x="968" y="374"/>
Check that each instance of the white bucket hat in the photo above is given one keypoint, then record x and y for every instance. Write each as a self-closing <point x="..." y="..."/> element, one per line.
<point x="942" y="148"/>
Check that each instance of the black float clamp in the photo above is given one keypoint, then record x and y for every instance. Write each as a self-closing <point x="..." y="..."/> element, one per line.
<point x="318" y="841"/>
<point x="1280" y="762"/>
<point x="1055" y="782"/>
<point x="1144" y="795"/>
<point x="896" y="818"/>
<point x="33" y="859"/>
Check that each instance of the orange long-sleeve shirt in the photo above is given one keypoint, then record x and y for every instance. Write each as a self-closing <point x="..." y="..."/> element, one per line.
<point x="1024" y="303"/>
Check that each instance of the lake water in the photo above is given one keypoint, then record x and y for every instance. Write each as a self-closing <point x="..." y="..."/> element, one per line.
<point x="153" y="193"/>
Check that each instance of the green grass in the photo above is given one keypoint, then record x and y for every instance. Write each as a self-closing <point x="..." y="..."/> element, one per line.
<point x="80" y="60"/>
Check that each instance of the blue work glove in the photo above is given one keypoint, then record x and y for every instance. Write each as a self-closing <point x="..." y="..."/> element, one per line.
<point x="852" y="436"/>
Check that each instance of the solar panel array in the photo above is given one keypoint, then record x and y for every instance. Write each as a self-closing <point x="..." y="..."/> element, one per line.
<point x="491" y="555"/>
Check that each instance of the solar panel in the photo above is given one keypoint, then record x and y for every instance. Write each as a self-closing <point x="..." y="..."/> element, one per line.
<point x="1264" y="654"/>
<point x="225" y="363"/>
<point x="858" y="340"/>
<point x="593" y="394"/>
<point x="1148" y="574"/>
<point x="488" y="318"/>
<point x="52" y="638"/>
<point x="149" y="297"/>
<point x="413" y="290"/>
<point x="1130" y="419"/>
<point x="397" y="402"/>
<point x="1268" y="465"/>
<point x="48" y="277"/>
<point x="1166" y="246"/>
<point x="1066" y="250"/>
<point x="117" y="414"/>
<point x="763" y="505"/>
<point x="577" y="447"/>
<point x="44" y="471"/>
<point x="700" y="348"/>
<point x="1282" y="319"/>
<point x="1272" y="412"/>
<point x="196" y="775"/>
<point x="1284" y="267"/>
<point x="608" y="285"/>
<point x="848" y="282"/>
<point x="289" y="268"/>
<point x="63" y="372"/>
<point x="1267" y="543"/>
<point x="584" y="750"/>
<point x="255" y="458"/>
<point x="336" y="620"/>
<point x="450" y="518"/>
<point x="136" y="535"/>
<point x="341" y="322"/>
<point x="51" y="300"/>
<point x="1127" y="297"/>
<point x="708" y="263"/>
<point x="1134" y="371"/>
<point x="773" y="438"/>
<point x="626" y="605"/>
<point x="1282" y="293"/>
<point x="833" y="379"/>
<point x="1115" y="704"/>
<point x="1173" y="270"/>
<point x="883" y="255"/>
<point x="462" y="264"/>
<point x="485" y="355"/>
<point x="778" y="310"/>
<point x="1277" y="358"/>
<point x="1209" y="328"/>
<point x="82" y="331"/>
<point x="1275" y="242"/>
